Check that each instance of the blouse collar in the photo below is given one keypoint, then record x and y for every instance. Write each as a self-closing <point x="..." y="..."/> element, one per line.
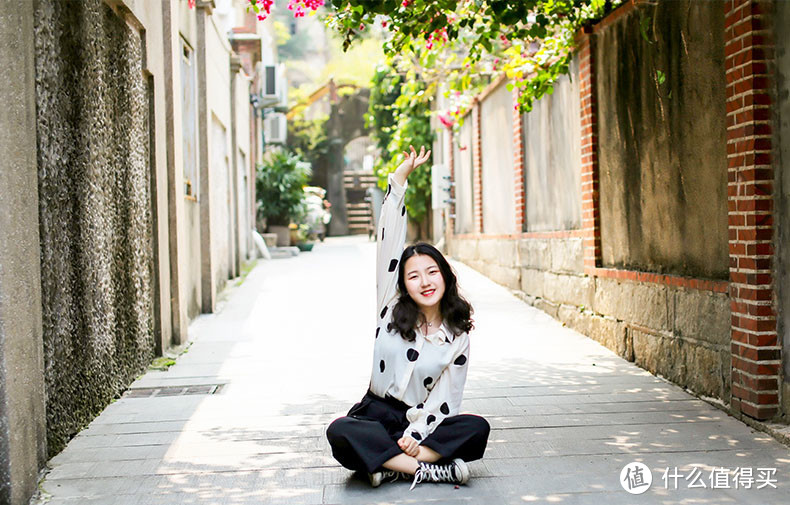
<point x="439" y="337"/>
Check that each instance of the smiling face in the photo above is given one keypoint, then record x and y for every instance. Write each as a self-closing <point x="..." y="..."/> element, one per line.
<point x="424" y="281"/>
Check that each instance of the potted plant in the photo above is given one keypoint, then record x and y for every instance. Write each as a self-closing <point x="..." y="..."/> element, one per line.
<point x="280" y="197"/>
<point x="304" y="237"/>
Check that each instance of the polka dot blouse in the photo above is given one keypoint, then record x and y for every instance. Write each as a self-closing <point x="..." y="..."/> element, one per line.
<point x="428" y="374"/>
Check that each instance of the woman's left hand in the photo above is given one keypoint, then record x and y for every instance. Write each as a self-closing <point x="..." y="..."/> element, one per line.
<point x="409" y="446"/>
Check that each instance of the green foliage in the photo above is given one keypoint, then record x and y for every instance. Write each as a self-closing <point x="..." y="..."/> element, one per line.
<point x="399" y="116"/>
<point x="384" y="90"/>
<point x="162" y="363"/>
<point x="531" y="40"/>
<point x="307" y="138"/>
<point x="278" y="186"/>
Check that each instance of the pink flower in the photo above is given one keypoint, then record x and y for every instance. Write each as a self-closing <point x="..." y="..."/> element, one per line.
<point x="405" y="3"/>
<point x="446" y="122"/>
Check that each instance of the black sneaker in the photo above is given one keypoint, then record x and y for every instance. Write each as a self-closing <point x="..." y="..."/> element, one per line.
<point x="455" y="473"/>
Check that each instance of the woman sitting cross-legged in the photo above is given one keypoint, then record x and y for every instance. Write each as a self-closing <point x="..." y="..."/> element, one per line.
<point x="408" y="424"/>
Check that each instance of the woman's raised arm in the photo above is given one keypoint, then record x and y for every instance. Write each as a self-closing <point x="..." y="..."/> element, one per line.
<point x="391" y="233"/>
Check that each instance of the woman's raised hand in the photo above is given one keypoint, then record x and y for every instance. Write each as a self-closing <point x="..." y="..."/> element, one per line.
<point x="411" y="161"/>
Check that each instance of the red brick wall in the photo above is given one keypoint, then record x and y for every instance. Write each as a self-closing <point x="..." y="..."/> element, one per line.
<point x="477" y="167"/>
<point x="518" y="164"/>
<point x="450" y="150"/>
<point x="589" y="163"/>
<point x="756" y="351"/>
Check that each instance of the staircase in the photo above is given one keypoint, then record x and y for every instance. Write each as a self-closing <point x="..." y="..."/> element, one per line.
<point x="360" y="218"/>
<point x="358" y="205"/>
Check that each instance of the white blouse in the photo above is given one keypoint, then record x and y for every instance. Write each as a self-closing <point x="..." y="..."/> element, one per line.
<point x="428" y="374"/>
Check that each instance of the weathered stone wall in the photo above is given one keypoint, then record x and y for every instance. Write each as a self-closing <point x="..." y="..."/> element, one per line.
<point x="552" y="150"/>
<point x="218" y="96"/>
<point x="681" y="334"/>
<point x="499" y="205"/>
<point x="462" y="159"/>
<point x="663" y="189"/>
<point x="192" y="258"/>
<point x="22" y="398"/>
<point x="95" y="218"/>
<point x="782" y="226"/>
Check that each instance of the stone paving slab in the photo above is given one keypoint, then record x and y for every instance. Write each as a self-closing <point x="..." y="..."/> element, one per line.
<point x="292" y="347"/>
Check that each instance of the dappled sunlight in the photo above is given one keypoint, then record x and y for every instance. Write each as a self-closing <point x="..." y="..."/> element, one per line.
<point x="566" y="416"/>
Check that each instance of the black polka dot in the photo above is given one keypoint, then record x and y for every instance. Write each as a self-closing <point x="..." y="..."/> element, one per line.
<point x="403" y="210"/>
<point x="381" y="366"/>
<point x="384" y="312"/>
<point x="393" y="265"/>
<point x="444" y="408"/>
<point x="427" y="381"/>
<point x="377" y="331"/>
<point x="382" y="233"/>
<point x="389" y="188"/>
<point x="389" y="326"/>
<point x="431" y="418"/>
<point x="416" y="436"/>
<point x="460" y="360"/>
<point x="446" y="339"/>
<point x="412" y="355"/>
<point x="420" y="405"/>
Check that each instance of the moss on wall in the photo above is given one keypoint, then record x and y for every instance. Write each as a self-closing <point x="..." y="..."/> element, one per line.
<point x="95" y="218"/>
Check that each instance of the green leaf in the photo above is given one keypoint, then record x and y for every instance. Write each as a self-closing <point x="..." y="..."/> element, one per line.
<point x="644" y="23"/>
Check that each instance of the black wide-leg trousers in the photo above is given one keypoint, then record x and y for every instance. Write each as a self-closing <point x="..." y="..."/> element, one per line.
<point x="368" y="435"/>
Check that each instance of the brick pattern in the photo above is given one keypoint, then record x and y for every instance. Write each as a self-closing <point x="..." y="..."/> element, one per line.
<point x="589" y="146"/>
<point x="756" y="351"/>
<point x="450" y="150"/>
<point x="518" y="165"/>
<point x="664" y="279"/>
<point x="477" y="167"/>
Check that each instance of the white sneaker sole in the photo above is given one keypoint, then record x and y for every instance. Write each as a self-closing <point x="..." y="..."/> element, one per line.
<point x="461" y="464"/>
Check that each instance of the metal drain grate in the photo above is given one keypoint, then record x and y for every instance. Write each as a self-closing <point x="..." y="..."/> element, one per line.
<point x="206" y="389"/>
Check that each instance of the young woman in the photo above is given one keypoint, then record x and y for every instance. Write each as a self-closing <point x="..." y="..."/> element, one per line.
<point x="408" y="422"/>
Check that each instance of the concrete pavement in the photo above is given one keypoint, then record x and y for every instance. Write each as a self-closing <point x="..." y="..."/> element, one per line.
<point x="290" y="350"/>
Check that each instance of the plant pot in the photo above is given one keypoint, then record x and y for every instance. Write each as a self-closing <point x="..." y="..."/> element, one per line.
<point x="305" y="246"/>
<point x="283" y="235"/>
<point x="294" y="236"/>
<point x="270" y="239"/>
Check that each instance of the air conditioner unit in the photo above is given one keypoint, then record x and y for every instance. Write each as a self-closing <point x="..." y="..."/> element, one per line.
<point x="272" y="89"/>
<point x="275" y="128"/>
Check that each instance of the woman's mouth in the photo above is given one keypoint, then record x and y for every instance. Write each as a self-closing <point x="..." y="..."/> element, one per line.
<point x="427" y="293"/>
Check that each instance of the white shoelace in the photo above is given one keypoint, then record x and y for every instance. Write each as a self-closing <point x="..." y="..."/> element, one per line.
<point x="443" y="473"/>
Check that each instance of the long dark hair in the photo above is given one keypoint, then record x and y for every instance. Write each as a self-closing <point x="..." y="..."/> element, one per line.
<point x="455" y="310"/>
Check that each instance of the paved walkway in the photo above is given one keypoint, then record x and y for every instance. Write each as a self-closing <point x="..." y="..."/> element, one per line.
<point x="292" y="347"/>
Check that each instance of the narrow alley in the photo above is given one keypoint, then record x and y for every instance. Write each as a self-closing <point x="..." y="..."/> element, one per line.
<point x="290" y="350"/>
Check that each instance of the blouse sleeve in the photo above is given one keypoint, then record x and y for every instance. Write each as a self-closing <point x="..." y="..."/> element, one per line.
<point x="391" y="237"/>
<point x="444" y="400"/>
